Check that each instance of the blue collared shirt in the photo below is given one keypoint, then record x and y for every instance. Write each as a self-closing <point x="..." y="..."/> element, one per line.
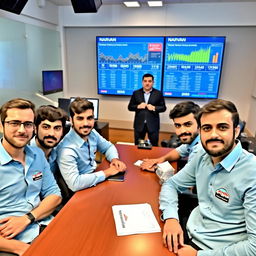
<point x="76" y="159"/>
<point x="21" y="189"/>
<point x="188" y="150"/>
<point x="52" y="159"/>
<point x="225" y="220"/>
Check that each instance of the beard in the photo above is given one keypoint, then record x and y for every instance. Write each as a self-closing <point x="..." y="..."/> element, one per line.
<point x="44" y="145"/>
<point x="221" y="152"/>
<point x="16" y="145"/>
<point x="81" y="134"/>
<point x="189" y="139"/>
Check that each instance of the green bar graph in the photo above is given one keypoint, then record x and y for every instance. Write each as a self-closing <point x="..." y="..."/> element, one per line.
<point x="199" y="56"/>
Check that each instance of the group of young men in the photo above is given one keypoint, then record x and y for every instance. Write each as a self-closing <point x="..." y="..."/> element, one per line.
<point x="224" y="221"/>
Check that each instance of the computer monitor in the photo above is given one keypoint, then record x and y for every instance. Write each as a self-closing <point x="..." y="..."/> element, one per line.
<point x="52" y="81"/>
<point x="95" y="102"/>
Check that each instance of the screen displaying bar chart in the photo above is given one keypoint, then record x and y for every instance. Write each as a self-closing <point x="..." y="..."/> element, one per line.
<point x="192" y="66"/>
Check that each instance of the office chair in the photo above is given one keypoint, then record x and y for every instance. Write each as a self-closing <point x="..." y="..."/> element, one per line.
<point x="65" y="191"/>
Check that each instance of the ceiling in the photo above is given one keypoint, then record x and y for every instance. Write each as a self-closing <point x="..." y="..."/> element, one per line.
<point x="105" y="2"/>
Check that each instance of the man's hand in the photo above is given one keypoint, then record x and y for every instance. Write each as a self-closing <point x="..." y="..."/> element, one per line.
<point x="149" y="164"/>
<point x="142" y="105"/>
<point x="13" y="225"/>
<point x="118" y="164"/>
<point x="151" y="107"/>
<point x="173" y="235"/>
<point x="187" y="250"/>
<point x="112" y="170"/>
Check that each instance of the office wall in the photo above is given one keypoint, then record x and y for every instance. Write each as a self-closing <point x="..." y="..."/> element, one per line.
<point x="237" y="81"/>
<point x="26" y="50"/>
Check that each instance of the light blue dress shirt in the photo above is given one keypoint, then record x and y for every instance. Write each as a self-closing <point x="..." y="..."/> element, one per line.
<point x="188" y="150"/>
<point x="21" y="189"/>
<point x="76" y="159"/>
<point x="52" y="159"/>
<point x="224" y="223"/>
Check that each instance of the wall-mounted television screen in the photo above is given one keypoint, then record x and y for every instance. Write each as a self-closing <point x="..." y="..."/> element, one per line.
<point x="122" y="61"/>
<point x="95" y="102"/>
<point x="192" y="66"/>
<point x="52" y="81"/>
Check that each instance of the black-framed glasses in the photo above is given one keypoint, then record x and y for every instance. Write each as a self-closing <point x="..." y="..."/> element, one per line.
<point x="17" y="124"/>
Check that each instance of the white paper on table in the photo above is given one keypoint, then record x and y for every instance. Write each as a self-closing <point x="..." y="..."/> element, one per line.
<point x="138" y="163"/>
<point x="134" y="219"/>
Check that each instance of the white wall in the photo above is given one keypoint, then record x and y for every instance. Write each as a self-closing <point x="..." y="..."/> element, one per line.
<point x="236" y="21"/>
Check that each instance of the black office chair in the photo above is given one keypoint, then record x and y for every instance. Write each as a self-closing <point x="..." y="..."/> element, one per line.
<point x="173" y="142"/>
<point x="66" y="192"/>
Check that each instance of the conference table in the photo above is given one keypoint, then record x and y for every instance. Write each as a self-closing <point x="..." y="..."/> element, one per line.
<point x="85" y="225"/>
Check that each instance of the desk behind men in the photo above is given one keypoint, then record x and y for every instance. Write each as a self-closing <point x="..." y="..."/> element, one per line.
<point x="85" y="226"/>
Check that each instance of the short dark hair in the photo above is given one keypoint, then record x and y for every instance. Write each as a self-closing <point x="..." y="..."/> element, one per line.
<point x="15" y="103"/>
<point x="148" y="75"/>
<point x="217" y="105"/>
<point x="184" y="108"/>
<point x="79" y="105"/>
<point x="51" y="113"/>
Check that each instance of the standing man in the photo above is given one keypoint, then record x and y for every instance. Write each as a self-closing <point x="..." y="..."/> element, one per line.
<point x="76" y="152"/>
<point x="224" y="222"/>
<point x="50" y="124"/>
<point x="184" y="116"/>
<point x="147" y="103"/>
<point x="28" y="191"/>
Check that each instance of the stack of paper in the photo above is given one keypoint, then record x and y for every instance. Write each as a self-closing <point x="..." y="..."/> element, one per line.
<point x="134" y="219"/>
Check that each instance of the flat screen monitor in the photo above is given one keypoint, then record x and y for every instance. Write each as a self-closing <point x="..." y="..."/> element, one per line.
<point x="122" y="61"/>
<point x="52" y="81"/>
<point x="95" y="102"/>
<point x="192" y="66"/>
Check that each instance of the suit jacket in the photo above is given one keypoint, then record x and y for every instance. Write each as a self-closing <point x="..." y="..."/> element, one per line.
<point x="152" y="117"/>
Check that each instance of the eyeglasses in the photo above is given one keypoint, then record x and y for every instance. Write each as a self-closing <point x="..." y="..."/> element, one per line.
<point x="17" y="124"/>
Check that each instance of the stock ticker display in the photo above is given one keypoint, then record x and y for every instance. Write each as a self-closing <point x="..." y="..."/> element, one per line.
<point x="122" y="61"/>
<point x="192" y="66"/>
<point x="183" y="67"/>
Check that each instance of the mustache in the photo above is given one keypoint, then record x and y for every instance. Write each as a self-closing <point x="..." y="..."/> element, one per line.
<point x="185" y="134"/>
<point x="214" y="140"/>
<point x="50" y="137"/>
<point x="86" y="126"/>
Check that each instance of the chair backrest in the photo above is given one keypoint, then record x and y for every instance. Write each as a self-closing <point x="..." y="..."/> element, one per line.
<point x="65" y="191"/>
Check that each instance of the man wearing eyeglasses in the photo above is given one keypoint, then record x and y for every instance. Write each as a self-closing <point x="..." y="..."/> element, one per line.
<point x="28" y="190"/>
<point x="76" y="152"/>
<point x="49" y="127"/>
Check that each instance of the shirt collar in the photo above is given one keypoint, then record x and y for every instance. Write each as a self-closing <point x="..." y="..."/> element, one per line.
<point x="195" y="141"/>
<point x="148" y="92"/>
<point x="6" y="158"/>
<point x="230" y="160"/>
<point x="76" y="139"/>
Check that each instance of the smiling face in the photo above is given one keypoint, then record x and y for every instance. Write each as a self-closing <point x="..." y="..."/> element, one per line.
<point x="49" y="133"/>
<point x="83" y="123"/>
<point x="218" y="133"/>
<point x="17" y="136"/>
<point x="186" y="128"/>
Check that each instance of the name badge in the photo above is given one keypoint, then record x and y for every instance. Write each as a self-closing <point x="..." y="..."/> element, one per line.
<point x="37" y="176"/>
<point x="222" y="194"/>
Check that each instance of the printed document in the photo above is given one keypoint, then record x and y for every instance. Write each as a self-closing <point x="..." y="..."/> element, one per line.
<point x="134" y="219"/>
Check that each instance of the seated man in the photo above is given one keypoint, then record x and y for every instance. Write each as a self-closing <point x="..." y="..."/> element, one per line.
<point x="224" y="174"/>
<point x="28" y="191"/>
<point x="186" y="127"/>
<point x="49" y="127"/>
<point x="76" y="152"/>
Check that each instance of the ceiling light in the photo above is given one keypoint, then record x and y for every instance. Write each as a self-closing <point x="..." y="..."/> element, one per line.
<point x="155" y="3"/>
<point x="132" y="4"/>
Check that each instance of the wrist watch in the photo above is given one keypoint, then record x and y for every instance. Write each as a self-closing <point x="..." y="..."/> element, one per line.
<point x="31" y="217"/>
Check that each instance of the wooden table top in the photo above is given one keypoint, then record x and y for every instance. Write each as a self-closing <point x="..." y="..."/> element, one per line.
<point x="85" y="225"/>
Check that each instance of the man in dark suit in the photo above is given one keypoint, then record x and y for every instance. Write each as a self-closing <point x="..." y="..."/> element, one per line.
<point x="147" y="103"/>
